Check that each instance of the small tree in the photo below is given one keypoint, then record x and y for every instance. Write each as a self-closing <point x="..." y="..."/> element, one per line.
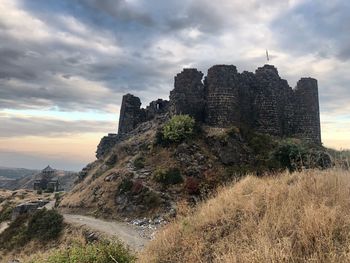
<point x="45" y="225"/>
<point x="290" y="155"/>
<point x="179" y="128"/>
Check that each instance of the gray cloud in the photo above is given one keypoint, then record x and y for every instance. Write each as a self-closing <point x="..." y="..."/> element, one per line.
<point x="84" y="54"/>
<point x="319" y="27"/>
<point x="20" y="126"/>
<point x="121" y="10"/>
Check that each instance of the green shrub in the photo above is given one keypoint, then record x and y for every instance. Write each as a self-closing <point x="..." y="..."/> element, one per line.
<point x="151" y="199"/>
<point x="100" y="252"/>
<point x="168" y="177"/>
<point x="290" y="155"/>
<point x="125" y="186"/>
<point x="139" y="162"/>
<point x="178" y="128"/>
<point x="45" y="225"/>
<point x="15" y="235"/>
<point x="5" y="213"/>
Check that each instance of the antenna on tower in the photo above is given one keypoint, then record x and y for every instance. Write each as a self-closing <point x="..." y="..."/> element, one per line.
<point x="267" y="55"/>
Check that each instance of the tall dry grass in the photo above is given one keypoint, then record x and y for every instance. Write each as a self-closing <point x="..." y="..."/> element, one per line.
<point x="300" y="217"/>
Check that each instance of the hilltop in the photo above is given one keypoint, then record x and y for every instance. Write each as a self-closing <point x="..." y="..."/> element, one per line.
<point x="213" y="130"/>
<point x="248" y="130"/>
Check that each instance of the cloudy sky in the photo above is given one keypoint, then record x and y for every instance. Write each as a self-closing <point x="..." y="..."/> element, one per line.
<point x="64" y="65"/>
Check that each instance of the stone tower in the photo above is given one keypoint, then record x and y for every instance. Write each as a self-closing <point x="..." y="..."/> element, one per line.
<point x="222" y="94"/>
<point x="187" y="97"/>
<point x="307" y="110"/>
<point x="130" y="114"/>
<point x="273" y="102"/>
<point x="261" y="101"/>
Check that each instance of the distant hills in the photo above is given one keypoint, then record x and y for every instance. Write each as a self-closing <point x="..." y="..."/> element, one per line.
<point x="20" y="178"/>
<point x="16" y="173"/>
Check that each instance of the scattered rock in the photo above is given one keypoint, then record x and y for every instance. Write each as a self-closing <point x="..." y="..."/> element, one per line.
<point x="90" y="236"/>
<point x="27" y="208"/>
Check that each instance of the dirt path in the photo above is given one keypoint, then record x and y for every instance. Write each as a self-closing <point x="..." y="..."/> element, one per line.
<point x="126" y="233"/>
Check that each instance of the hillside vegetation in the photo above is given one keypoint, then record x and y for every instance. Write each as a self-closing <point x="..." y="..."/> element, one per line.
<point x="300" y="217"/>
<point x="162" y="163"/>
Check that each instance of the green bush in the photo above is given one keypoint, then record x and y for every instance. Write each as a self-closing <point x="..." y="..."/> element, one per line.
<point x="178" y="128"/>
<point x="139" y="162"/>
<point x="290" y="155"/>
<point x="151" y="199"/>
<point x="168" y="177"/>
<point x="45" y="225"/>
<point x="15" y="235"/>
<point x="101" y="252"/>
<point x="125" y="186"/>
<point x="5" y="213"/>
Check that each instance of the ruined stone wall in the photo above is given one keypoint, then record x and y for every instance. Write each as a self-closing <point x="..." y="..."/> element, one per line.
<point x="307" y="119"/>
<point x="273" y="102"/>
<point x="247" y="92"/>
<point x="155" y="108"/>
<point x="130" y="114"/>
<point x="222" y="95"/>
<point x="187" y="97"/>
<point x="262" y="101"/>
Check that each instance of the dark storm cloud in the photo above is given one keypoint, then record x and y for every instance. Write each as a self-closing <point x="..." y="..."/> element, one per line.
<point x="21" y="126"/>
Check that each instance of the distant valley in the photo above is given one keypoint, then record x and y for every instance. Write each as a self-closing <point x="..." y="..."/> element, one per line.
<point x="15" y="173"/>
<point x="21" y="178"/>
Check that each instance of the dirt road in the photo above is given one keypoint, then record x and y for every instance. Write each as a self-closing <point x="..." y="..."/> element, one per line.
<point x="126" y="233"/>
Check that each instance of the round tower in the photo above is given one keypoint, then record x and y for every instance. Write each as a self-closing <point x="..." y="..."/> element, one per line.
<point x="307" y="120"/>
<point x="222" y="93"/>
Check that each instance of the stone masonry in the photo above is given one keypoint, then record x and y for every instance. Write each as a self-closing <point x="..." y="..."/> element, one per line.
<point x="262" y="101"/>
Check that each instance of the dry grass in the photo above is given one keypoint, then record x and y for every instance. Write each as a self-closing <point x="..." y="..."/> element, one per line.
<point x="303" y="217"/>
<point x="36" y="249"/>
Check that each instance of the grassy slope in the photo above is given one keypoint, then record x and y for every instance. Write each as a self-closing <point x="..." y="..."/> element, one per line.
<point x="303" y="217"/>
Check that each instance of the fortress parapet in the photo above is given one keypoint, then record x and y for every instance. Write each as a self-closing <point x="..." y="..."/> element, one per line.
<point x="262" y="101"/>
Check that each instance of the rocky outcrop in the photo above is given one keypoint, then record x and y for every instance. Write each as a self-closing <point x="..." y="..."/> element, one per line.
<point x="27" y="208"/>
<point x="107" y="143"/>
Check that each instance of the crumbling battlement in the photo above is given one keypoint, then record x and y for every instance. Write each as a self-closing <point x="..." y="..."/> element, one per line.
<point x="262" y="101"/>
<point x="131" y="113"/>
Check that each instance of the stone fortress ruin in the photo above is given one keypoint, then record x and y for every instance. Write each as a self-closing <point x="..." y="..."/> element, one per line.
<point x="261" y="101"/>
